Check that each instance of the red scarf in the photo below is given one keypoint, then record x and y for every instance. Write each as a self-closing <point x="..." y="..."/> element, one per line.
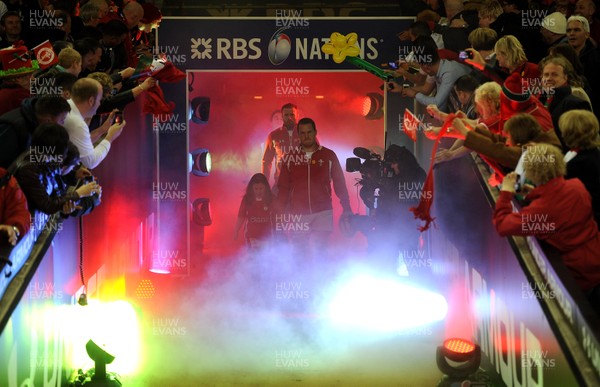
<point x="423" y="210"/>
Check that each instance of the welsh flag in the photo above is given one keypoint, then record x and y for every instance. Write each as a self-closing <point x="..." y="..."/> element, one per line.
<point x="410" y="125"/>
<point x="45" y="55"/>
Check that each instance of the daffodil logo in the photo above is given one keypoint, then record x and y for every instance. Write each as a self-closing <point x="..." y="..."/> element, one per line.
<point x="341" y="46"/>
<point x="280" y="46"/>
<point x="201" y="48"/>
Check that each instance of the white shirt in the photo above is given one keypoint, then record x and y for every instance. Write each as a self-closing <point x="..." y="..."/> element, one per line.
<point x="79" y="134"/>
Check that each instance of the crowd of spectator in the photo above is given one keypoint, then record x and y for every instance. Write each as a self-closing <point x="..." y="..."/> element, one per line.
<point x="59" y="118"/>
<point x="536" y="102"/>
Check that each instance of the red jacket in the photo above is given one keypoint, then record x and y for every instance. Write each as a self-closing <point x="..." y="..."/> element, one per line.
<point x="305" y="183"/>
<point x="561" y="214"/>
<point x="279" y="142"/>
<point x="13" y="206"/>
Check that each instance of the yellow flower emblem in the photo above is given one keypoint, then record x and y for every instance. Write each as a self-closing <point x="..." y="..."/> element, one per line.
<point x="340" y="46"/>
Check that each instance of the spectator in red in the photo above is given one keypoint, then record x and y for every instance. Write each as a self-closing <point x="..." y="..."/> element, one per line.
<point x="511" y="56"/>
<point x="516" y="98"/>
<point x="560" y="213"/>
<point x="487" y="103"/>
<point x="14" y="215"/>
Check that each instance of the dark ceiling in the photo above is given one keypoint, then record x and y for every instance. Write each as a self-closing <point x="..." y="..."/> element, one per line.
<point x="270" y="8"/>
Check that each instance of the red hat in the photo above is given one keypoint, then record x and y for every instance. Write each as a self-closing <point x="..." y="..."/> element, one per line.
<point x="16" y="61"/>
<point x="151" y="14"/>
<point x="515" y="97"/>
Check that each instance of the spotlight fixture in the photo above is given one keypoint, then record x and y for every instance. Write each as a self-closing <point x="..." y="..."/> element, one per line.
<point x="200" y="110"/>
<point x="200" y="162"/>
<point x="201" y="212"/>
<point x="458" y="358"/>
<point x="373" y="106"/>
<point x="101" y="358"/>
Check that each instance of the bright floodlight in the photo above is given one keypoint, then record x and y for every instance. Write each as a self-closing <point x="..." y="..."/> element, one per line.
<point x="113" y="324"/>
<point x="385" y="305"/>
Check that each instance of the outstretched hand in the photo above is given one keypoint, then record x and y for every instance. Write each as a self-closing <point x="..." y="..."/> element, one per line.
<point x="12" y="236"/>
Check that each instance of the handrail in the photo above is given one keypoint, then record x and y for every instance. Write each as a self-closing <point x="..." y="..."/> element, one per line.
<point x="24" y="260"/>
<point x="574" y="323"/>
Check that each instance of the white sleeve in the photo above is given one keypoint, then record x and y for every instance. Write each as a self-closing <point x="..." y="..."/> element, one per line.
<point x="79" y="134"/>
<point x="98" y="154"/>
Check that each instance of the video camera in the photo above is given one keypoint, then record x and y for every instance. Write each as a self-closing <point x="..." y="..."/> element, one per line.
<point x="373" y="170"/>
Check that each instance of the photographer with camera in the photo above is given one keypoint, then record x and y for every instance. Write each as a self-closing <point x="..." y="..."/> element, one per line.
<point x="72" y="176"/>
<point x="37" y="170"/>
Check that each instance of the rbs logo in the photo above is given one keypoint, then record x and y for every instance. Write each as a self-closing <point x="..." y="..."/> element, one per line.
<point x="225" y="48"/>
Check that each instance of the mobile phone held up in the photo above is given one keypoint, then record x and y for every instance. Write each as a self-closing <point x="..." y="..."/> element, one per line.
<point x="118" y="118"/>
<point x="393" y="65"/>
<point x="465" y="55"/>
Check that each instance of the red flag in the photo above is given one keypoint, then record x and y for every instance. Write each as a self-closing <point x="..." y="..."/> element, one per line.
<point x="45" y="55"/>
<point x="423" y="210"/>
<point x="155" y="100"/>
<point x="410" y="125"/>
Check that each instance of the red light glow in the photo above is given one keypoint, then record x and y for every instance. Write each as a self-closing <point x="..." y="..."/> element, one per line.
<point x="459" y="346"/>
<point x="366" y="106"/>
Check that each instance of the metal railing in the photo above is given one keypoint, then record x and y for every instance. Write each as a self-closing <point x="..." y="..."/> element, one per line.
<point x="21" y="262"/>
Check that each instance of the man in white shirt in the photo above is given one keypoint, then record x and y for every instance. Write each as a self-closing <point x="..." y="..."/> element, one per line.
<point x="445" y="74"/>
<point x="86" y="95"/>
